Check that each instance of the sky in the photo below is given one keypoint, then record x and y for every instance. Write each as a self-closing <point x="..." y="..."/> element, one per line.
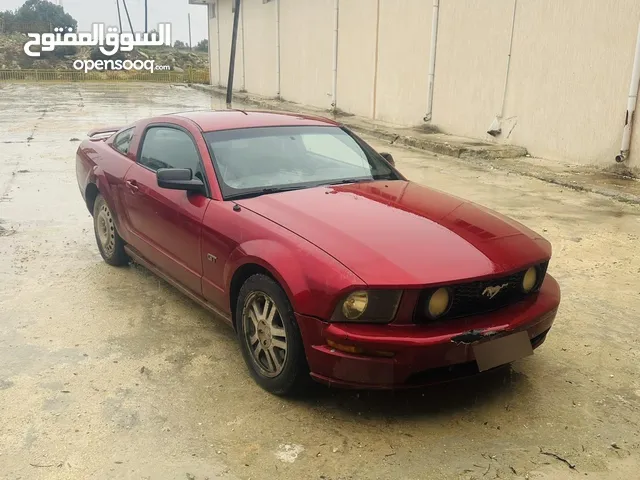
<point x="175" y="12"/>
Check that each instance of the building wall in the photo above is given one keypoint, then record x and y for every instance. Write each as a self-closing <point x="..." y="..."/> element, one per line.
<point x="357" y="56"/>
<point x="568" y="83"/>
<point x="571" y="77"/>
<point x="403" y="71"/>
<point x="471" y="62"/>
<point x="259" y="47"/>
<point x="306" y="40"/>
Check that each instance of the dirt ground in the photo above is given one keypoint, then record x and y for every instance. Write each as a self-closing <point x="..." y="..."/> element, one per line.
<point x="111" y="373"/>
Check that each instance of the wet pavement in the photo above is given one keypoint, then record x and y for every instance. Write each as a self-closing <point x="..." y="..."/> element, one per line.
<point x="111" y="373"/>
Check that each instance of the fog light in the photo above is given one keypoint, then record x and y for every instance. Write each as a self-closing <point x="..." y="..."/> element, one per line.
<point x="530" y="280"/>
<point x="439" y="303"/>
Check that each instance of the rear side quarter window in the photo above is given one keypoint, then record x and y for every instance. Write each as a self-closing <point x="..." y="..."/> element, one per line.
<point x="122" y="142"/>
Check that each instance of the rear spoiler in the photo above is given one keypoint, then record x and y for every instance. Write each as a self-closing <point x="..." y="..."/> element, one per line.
<point x="103" y="132"/>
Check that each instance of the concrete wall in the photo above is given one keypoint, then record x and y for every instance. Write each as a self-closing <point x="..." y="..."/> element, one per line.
<point x="568" y="82"/>
<point x="357" y="56"/>
<point x="306" y="39"/>
<point x="569" y="77"/>
<point x="473" y="44"/>
<point x="405" y="30"/>
<point x="259" y="47"/>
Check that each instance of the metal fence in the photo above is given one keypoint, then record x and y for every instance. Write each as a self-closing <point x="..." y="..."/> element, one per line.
<point x="11" y="26"/>
<point x="188" y="76"/>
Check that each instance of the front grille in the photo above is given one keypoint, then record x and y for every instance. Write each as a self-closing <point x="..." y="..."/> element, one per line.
<point x="468" y="298"/>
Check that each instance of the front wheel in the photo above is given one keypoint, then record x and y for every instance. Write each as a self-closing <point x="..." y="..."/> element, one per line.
<point x="269" y="337"/>
<point x="110" y="243"/>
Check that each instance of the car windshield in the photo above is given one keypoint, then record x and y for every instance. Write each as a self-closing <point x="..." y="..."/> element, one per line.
<point x="256" y="161"/>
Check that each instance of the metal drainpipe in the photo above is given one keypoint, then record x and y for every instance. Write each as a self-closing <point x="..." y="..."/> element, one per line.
<point x="210" y="9"/>
<point x="376" y="57"/>
<point x="432" y="58"/>
<point x="506" y="77"/>
<point x="334" y="92"/>
<point x="217" y="7"/>
<point x="631" y="105"/>
<point x="496" y="127"/>
<point x="244" y="69"/>
<point x="278" y="49"/>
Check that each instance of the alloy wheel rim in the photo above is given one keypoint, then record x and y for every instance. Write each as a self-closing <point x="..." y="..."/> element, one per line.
<point x="106" y="230"/>
<point x="265" y="334"/>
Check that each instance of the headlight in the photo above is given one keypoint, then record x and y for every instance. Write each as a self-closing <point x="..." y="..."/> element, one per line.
<point x="530" y="280"/>
<point x="368" y="306"/>
<point x="355" y="305"/>
<point x="438" y="303"/>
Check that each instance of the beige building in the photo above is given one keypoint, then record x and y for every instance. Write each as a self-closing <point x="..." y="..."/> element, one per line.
<point x="562" y="93"/>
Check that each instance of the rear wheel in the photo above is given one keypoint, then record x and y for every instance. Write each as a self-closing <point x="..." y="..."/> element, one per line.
<point x="269" y="337"/>
<point x="110" y="243"/>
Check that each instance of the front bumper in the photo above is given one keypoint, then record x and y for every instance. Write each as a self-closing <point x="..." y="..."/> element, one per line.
<point x="422" y="354"/>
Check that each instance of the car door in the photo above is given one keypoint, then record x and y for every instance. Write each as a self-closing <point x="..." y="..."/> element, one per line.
<point x="117" y="162"/>
<point x="166" y="225"/>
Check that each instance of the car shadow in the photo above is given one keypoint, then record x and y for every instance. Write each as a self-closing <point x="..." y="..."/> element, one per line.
<point x="496" y="386"/>
<point x="472" y="392"/>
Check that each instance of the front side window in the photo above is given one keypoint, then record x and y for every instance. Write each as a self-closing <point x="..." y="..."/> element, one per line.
<point x="166" y="147"/>
<point x="122" y="142"/>
<point x="260" y="160"/>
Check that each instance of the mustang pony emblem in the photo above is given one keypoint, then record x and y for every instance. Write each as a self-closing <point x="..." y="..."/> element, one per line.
<point x="493" y="291"/>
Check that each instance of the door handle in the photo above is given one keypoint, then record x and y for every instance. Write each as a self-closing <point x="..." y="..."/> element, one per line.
<point x="133" y="185"/>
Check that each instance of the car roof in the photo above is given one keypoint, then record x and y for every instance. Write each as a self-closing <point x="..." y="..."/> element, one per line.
<point x="213" y="120"/>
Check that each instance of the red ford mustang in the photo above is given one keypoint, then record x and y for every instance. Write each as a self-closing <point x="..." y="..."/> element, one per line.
<point x="325" y="260"/>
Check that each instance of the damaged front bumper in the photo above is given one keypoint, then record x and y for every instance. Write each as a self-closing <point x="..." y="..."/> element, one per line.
<point x="416" y="355"/>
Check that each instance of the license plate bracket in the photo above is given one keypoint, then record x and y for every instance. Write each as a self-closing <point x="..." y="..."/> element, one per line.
<point x="502" y="350"/>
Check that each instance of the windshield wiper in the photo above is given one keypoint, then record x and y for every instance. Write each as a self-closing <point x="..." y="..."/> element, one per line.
<point x="264" y="191"/>
<point x="349" y="180"/>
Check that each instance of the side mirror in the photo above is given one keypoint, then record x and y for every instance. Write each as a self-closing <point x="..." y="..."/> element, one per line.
<point x="179" y="179"/>
<point x="389" y="158"/>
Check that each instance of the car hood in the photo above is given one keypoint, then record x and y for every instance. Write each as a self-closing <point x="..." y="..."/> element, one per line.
<point x="402" y="233"/>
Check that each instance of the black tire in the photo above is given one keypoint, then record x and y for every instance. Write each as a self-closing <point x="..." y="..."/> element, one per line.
<point x="110" y="244"/>
<point x="294" y="374"/>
